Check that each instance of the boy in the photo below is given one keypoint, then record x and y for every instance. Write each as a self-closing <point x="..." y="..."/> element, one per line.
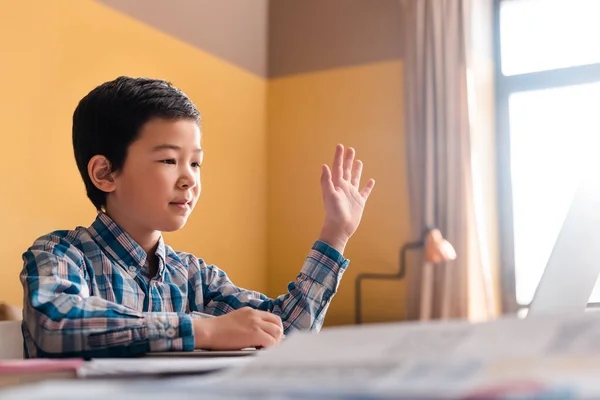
<point x="116" y="289"/>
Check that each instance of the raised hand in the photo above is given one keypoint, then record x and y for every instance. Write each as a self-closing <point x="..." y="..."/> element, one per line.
<point x="344" y="201"/>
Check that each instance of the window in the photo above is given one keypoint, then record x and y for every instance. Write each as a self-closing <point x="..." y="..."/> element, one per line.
<point x="541" y="35"/>
<point x="548" y="103"/>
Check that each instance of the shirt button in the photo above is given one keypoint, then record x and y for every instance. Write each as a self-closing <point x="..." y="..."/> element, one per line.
<point x="323" y="302"/>
<point x="132" y="268"/>
<point x="171" y="332"/>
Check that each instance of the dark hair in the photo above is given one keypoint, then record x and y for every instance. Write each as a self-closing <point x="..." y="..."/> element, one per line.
<point x="110" y="118"/>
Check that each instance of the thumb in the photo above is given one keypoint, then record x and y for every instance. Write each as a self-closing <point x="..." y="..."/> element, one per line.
<point x="326" y="182"/>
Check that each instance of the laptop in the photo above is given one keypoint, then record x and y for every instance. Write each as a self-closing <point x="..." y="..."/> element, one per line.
<point x="574" y="264"/>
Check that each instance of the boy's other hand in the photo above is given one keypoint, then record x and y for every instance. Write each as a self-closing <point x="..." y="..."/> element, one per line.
<point x="245" y="327"/>
<point x="344" y="201"/>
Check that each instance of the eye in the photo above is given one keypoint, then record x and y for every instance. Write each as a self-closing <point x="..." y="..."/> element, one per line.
<point x="196" y="165"/>
<point x="170" y="161"/>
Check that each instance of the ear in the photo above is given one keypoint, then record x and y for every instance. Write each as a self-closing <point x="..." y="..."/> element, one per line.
<point x="101" y="174"/>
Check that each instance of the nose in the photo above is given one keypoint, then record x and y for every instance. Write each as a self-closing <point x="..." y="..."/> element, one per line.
<point x="187" y="179"/>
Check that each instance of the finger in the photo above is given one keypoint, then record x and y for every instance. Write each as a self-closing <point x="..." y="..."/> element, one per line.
<point x="264" y="340"/>
<point x="272" y="318"/>
<point x="338" y="160"/>
<point x="366" y="191"/>
<point x="326" y="182"/>
<point x="356" y="173"/>
<point x="348" y="161"/>
<point x="273" y="330"/>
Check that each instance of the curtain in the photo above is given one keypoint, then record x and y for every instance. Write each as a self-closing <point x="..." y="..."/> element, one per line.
<point x="443" y="165"/>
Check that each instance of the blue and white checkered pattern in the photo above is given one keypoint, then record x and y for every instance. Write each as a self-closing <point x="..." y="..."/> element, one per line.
<point x="87" y="293"/>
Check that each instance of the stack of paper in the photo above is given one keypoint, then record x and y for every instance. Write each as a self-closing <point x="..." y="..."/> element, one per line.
<point x="554" y="357"/>
<point x="537" y="357"/>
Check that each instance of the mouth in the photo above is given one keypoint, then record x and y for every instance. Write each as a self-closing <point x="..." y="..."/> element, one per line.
<point x="182" y="205"/>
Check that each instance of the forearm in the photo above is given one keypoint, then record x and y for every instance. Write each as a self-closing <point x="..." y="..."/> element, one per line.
<point x="334" y="239"/>
<point x="305" y="306"/>
<point x="302" y="308"/>
<point x="95" y="327"/>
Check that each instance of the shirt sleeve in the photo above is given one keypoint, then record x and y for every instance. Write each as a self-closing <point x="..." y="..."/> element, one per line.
<point x="62" y="319"/>
<point x="302" y="308"/>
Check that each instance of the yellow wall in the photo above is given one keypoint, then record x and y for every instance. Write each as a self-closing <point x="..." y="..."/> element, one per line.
<point x="53" y="53"/>
<point x="307" y="115"/>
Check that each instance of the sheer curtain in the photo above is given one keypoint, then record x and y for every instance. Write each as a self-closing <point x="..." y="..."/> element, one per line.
<point x="449" y="136"/>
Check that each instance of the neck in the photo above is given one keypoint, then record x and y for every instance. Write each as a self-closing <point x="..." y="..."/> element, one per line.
<point x="147" y="239"/>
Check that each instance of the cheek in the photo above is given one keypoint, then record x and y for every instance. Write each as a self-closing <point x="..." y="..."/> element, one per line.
<point x="144" y="186"/>
<point x="196" y="192"/>
<point x="130" y="189"/>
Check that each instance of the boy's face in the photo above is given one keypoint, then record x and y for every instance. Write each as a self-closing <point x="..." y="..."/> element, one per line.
<point x="159" y="184"/>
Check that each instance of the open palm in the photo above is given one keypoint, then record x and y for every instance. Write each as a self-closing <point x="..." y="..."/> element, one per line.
<point x="344" y="201"/>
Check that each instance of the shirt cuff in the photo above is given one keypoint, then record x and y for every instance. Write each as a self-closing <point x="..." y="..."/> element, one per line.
<point x="325" y="265"/>
<point x="169" y="331"/>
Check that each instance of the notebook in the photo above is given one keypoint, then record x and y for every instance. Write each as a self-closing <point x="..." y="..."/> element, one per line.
<point x="206" y="353"/>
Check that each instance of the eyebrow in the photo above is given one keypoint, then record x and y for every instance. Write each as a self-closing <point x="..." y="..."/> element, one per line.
<point x="173" y="147"/>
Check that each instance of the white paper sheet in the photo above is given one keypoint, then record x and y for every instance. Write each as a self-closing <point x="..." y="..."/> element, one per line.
<point x="136" y="367"/>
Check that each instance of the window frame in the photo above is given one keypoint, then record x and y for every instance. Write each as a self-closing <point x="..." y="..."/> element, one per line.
<point x="505" y="86"/>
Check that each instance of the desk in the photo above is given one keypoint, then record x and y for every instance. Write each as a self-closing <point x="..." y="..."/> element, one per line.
<point x="114" y="379"/>
<point x="537" y="358"/>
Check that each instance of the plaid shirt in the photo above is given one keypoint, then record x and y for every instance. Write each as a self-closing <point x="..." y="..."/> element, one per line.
<point x="87" y="293"/>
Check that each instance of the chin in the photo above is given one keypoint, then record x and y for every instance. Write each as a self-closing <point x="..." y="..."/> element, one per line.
<point x="173" y="225"/>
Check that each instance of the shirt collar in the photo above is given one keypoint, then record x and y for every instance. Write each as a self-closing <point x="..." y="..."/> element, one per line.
<point x="115" y="241"/>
